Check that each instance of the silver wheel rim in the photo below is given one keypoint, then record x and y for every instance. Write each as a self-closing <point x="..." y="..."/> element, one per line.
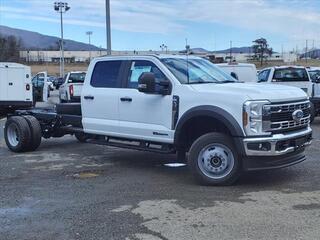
<point x="216" y="161"/>
<point x="13" y="135"/>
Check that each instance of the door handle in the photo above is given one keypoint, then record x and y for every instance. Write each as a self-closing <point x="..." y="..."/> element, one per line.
<point x="89" y="97"/>
<point x="126" y="99"/>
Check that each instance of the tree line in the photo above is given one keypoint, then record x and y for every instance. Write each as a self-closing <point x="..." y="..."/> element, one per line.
<point x="9" y="48"/>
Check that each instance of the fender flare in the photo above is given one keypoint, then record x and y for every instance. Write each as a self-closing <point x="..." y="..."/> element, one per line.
<point x="214" y="112"/>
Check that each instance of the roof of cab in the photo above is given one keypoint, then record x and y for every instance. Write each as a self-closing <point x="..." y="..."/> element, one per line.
<point x="236" y="64"/>
<point x="158" y="56"/>
<point x="289" y="66"/>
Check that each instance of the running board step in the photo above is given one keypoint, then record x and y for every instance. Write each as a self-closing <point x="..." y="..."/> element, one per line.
<point x="133" y="144"/>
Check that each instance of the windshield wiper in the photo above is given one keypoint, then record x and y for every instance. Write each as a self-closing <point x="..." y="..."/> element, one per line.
<point x="199" y="82"/>
<point x="228" y="81"/>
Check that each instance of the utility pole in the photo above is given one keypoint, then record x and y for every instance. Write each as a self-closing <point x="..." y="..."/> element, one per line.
<point x="108" y="27"/>
<point x="89" y="33"/>
<point x="312" y="44"/>
<point x="61" y="7"/>
<point x="305" y="55"/>
<point x="230" y="51"/>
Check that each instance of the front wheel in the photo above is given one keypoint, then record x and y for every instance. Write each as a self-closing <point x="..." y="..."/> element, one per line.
<point x="213" y="160"/>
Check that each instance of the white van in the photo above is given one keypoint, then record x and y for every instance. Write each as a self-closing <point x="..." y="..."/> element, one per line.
<point x="15" y="86"/>
<point x="245" y="72"/>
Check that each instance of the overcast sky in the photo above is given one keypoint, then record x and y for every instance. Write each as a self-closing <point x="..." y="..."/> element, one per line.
<point x="146" y="24"/>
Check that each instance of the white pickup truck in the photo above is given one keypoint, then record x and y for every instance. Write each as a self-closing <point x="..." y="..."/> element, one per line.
<point x="295" y="76"/>
<point x="70" y="90"/>
<point x="177" y="104"/>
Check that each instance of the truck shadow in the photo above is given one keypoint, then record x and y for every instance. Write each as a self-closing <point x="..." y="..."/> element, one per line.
<point x="153" y="165"/>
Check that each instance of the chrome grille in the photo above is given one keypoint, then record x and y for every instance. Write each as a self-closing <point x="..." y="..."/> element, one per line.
<point x="279" y="117"/>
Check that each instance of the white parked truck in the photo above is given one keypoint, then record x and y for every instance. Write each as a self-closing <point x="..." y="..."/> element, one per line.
<point x="295" y="76"/>
<point x="177" y="104"/>
<point x="15" y="87"/>
<point x="70" y="90"/>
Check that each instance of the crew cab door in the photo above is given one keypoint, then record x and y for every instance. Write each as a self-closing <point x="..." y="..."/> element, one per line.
<point x="100" y="98"/>
<point x="144" y="116"/>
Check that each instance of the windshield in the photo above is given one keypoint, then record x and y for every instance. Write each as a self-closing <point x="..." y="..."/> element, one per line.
<point x="77" y="77"/>
<point x="196" y="71"/>
<point x="290" y="74"/>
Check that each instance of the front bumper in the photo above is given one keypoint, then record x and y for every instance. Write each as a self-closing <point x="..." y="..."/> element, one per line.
<point x="277" y="144"/>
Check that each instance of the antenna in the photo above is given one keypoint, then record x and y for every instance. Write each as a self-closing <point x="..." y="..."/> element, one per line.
<point x="187" y="53"/>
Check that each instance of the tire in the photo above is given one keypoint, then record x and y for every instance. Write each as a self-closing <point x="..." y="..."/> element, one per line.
<point x="17" y="134"/>
<point x="213" y="160"/>
<point x="36" y="132"/>
<point x="312" y="112"/>
<point x="81" y="137"/>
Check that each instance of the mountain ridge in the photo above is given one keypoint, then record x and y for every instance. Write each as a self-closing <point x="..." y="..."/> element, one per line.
<point x="36" y="41"/>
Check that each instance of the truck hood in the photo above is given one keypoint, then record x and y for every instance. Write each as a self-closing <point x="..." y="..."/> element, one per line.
<point x="254" y="91"/>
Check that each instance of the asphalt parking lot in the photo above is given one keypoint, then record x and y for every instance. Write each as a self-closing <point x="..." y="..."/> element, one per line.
<point x="68" y="190"/>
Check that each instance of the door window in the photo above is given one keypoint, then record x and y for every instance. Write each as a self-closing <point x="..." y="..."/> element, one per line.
<point x="263" y="76"/>
<point x="106" y="74"/>
<point x="138" y="68"/>
<point x="38" y="80"/>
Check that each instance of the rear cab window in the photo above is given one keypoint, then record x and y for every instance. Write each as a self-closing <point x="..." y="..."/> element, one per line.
<point x="106" y="74"/>
<point x="290" y="75"/>
<point x="77" y="77"/>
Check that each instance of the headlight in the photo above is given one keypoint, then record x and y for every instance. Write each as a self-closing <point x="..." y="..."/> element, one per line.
<point x="252" y="117"/>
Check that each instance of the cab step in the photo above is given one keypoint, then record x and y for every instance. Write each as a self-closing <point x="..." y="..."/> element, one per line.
<point x="133" y="144"/>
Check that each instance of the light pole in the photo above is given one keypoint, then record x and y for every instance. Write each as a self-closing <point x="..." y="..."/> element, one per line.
<point x="164" y="47"/>
<point x="108" y="27"/>
<point x="89" y="33"/>
<point x="61" y="7"/>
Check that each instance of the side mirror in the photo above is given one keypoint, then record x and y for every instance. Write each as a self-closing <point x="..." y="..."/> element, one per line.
<point x="234" y="75"/>
<point x="147" y="83"/>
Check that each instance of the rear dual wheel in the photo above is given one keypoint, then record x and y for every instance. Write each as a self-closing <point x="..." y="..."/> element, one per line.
<point x="22" y="134"/>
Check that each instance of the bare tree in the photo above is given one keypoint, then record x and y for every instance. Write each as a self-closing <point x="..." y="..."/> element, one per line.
<point x="9" y="48"/>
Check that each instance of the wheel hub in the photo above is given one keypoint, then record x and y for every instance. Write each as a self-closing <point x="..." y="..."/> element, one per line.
<point x="216" y="160"/>
<point x="13" y="135"/>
